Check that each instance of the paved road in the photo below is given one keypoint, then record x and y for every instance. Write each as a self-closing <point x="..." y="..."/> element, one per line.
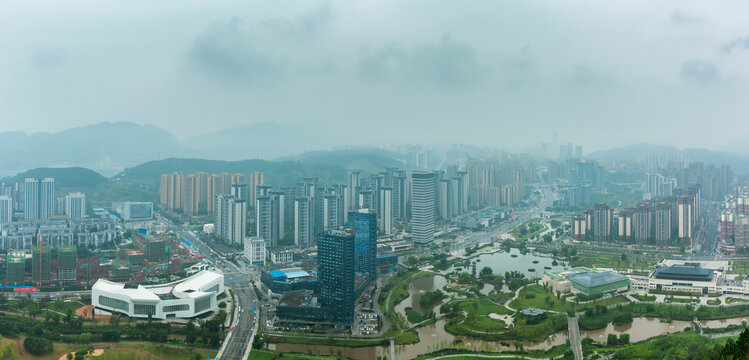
<point x="243" y="328"/>
<point x="574" y="337"/>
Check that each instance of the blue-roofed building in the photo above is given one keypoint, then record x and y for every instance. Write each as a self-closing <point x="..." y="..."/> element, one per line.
<point x="282" y="281"/>
<point x="594" y="283"/>
<point x="585" y="281"/>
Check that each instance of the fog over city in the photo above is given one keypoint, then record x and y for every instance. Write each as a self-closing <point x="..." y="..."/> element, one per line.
<point x="490" y="73"/>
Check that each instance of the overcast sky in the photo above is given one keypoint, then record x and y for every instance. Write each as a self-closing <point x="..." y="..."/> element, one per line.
<point x="499" y="73"/>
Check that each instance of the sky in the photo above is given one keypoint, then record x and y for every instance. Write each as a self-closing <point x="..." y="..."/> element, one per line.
<point x="495" y="73"/>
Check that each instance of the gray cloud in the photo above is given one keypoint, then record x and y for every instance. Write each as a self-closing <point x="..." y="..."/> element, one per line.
<point x="518" y="69"/>
<point x="741" y="43"/>
<point x="47" y="57"/>
<point x="585" y="77"/>
<point x="680" y="18"/>
<point x="702" y="72"/>
<point x="228" y="53"/>
<point x="303" y="28"/>
<point x="447" y="63"/>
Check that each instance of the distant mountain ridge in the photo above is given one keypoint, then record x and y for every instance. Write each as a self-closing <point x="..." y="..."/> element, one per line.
<point x="265" y="141"/>
<point x="105" y="147"/>
<point x="636" y="152"/>
<point x="277" y="173"/>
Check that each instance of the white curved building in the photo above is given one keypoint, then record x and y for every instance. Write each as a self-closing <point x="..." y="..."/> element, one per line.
<point x="185" y="298"/>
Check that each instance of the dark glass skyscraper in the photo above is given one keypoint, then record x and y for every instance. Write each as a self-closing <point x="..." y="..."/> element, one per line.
<point x="364" y="224"/>
<point x="335" y="268"/>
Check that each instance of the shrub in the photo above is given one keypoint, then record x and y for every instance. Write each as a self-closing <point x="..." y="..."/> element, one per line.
<point x="37" y="346"/>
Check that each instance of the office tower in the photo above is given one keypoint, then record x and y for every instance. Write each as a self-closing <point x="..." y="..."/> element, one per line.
<point x="365" y="199"/>
<point x="278" y="213"/>
<point x="340" y="191"/>
<point x="303" y="230"/>
<point x="270" y="216"/>
<point x="642" y="225"/>
<point x="253" y="181"/>
<point x="385" y="218"/>
<point x="422" y="207"/>
<point x="399" y="197"/>
<point x="422" y="159"/>
<point x="625" y="224"/>
<point x="39" y="198"/>
<point x="40" y="261"/>
<point x="171" y="191"/>
<point x="330" y="212"/>
<point x="230" y="217"/>
<point x="264" y="219"/>
<point x="364" y="224"/>
<point x="578" y="226"/>
<point x="133" y="211"/>
<point x="445" y="199"/>
<point x="15" y="268"/>
<point x="335" y="271"/>
<point x="578" y="151"/>
<point x="60" y="206"/>
<point x="565" y="151"/>
<point x="194" y="194"/>
<point x="602" y="222"/>
<point x="75" y="205"/>
<point x="353" y="185"/>
<point x="262" y="190"/>
<point x="6" y="209"/>
<point x="156" y="250"/>
<point x="685" y="220"/>
<point x="662" y="224"/>
<point x="255" y="250"/>
<point x="726" y="225"/>
<point x="67" y="258"/>
<point x="239" y="191"/>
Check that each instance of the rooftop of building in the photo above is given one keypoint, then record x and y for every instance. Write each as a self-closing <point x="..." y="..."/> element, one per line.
<point x="684" y="272"/>
<point x="298" y="298"/>
<point x="593" y="279"/>
<point x="186" y="288"/>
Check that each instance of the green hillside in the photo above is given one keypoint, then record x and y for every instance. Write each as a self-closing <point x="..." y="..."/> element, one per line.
<point x="99" y="190"/>
<point x="277" y="173"/>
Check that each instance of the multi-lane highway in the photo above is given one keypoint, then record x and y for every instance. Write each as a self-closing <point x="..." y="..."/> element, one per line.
<point x="244" y="326"/>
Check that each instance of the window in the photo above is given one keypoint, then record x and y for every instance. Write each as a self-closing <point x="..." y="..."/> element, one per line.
<point x="173" y="308"/>
<point x="114" y="303"/>
<point x="202" y="304"/>
<point x="144" y="309"/>
<point x="213" y="289"/>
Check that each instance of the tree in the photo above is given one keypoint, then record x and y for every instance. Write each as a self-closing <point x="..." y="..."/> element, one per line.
<point x="85" y="338"/>
<point x="69" y="356"/>
<point x="114" y="320"/>
<point x="37" y="346"/>
<point x="485" y="272"/>
<point x="612" y="340"/>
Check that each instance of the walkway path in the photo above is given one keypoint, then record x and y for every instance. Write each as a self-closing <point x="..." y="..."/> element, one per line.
<point x="574" y="337"/>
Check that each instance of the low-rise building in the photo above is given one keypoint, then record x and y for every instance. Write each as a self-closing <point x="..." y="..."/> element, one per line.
<point x="585" y="281"/>
<point x="186" y="298"/>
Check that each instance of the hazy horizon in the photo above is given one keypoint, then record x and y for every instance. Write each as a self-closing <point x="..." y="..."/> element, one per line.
<point x="505" y="75"/>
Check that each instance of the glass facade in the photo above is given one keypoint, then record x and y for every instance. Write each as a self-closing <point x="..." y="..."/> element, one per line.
<point x="173" y="308"/>
<point x="202" y="304"/>
<point x="335" y="268"/>
<point x="144" y="309"/>
<point x="364" y="225"/>
<point x="114" y="303"/>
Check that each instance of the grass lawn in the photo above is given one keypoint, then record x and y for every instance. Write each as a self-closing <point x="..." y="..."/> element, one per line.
<point x="57" y="352"/>
<point x="170" y="353"/>
<point x="269" y="355"/>
<point x="485" y="307"/>
<point x="413" y="317"/>
<point x="534" y="228"/>
<point x="713" y="302"/>
<point x="535" y="296"/>
<point x="644" y="297"/>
